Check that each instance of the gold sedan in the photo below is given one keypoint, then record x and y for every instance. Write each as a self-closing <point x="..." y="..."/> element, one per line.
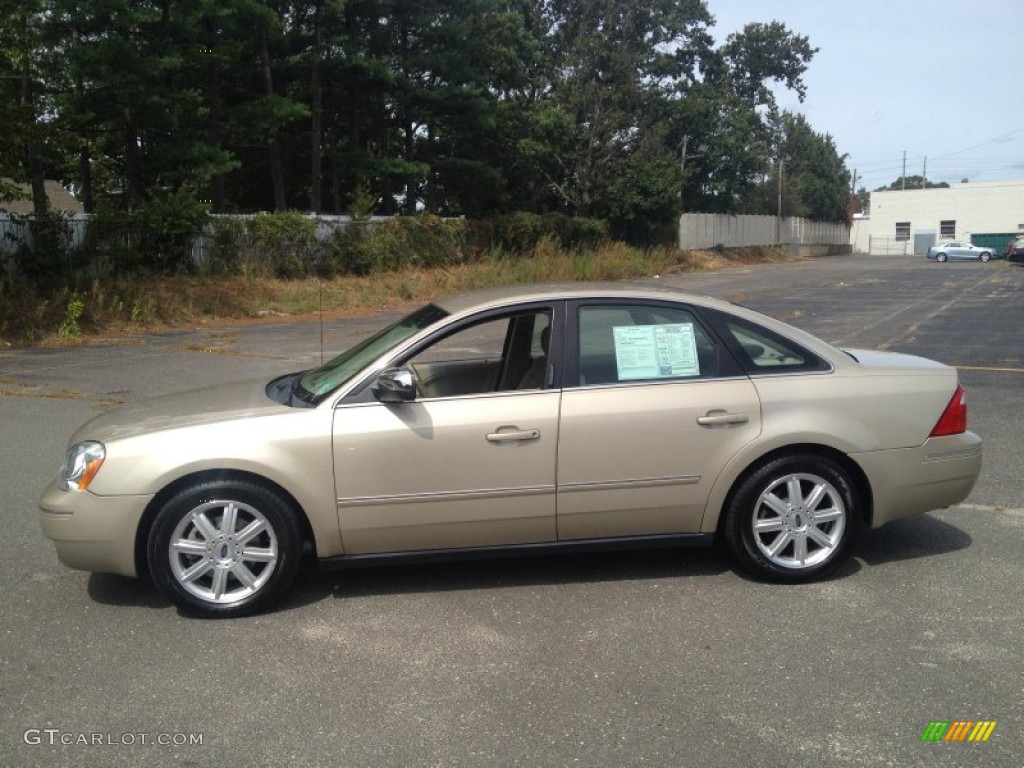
<point x="515" y="420"/>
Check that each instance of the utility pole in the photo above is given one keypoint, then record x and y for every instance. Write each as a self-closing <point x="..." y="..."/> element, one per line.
<point x="682" y="169"/>
<point x="924" y="173"/>
<point x="778" y="218"/>
<point x="903" y="176"/>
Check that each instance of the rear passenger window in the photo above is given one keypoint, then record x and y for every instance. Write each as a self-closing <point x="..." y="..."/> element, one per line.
<point x="761" y="351"/>
<point x="632" y="343"/>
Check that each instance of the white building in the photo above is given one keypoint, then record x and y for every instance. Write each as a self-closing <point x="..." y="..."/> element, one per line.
<point x="912" y="220"/>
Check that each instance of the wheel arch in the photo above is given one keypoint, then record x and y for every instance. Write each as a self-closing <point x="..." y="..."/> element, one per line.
<point x="216" y="475"/>
<point x="857" y="476"/>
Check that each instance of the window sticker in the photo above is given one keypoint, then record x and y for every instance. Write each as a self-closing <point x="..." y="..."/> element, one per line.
<point x="655" y="351"/>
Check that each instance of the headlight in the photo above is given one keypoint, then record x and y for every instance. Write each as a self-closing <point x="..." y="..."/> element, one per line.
<point x="81" y="465"/>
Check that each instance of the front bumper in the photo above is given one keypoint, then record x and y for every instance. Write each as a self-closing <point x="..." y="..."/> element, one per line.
<point x="90" y="532"/>
<point x="908" y="481"/>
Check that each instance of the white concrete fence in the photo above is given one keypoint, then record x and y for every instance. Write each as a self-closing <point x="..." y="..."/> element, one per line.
<point x="699" y="231"/>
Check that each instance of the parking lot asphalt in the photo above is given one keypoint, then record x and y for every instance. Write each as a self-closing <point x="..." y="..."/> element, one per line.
<point x="670" y="658"/>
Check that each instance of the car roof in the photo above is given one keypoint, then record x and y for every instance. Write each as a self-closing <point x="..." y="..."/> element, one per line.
<point x="518" y="294"/>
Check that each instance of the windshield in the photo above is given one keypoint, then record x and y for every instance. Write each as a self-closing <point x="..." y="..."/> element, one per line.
<point x="318" y="382"/>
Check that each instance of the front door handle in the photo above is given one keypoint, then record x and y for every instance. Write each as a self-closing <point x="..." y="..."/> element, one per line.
<point x="512" y="435"/>
<point x="722" y="419"/>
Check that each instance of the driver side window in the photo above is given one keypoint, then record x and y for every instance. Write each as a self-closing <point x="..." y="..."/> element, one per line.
<point x="495" y="355"/>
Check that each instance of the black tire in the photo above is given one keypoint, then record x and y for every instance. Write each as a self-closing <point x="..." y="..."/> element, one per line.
<point x="940" y="257"/>
<point x="985" y="256"/>
<point x="800" y="541"/>
<point x="212" y="571"/>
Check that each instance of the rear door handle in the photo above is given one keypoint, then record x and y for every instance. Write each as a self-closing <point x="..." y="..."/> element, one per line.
<point x="722" y="419"/>
<point x="512" y="435"/>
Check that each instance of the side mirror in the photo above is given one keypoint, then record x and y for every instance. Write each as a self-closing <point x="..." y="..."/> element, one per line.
<point x="396" y="385"/>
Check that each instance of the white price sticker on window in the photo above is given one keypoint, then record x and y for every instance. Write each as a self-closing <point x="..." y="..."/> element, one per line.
<point x="655" y="351"/>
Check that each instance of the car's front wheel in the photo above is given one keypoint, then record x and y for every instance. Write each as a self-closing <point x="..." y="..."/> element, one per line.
<point x="940" y="257"/>
<point x="985" y="256"/>
<point x="220" y="549"/>
<point x="794" y="518"/>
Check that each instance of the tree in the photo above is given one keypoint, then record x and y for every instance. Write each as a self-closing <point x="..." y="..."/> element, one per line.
<point x="470" y="108"/>
<point x="21" y="120"/>
<point x="642" y="202"/>
<point x="733" y="113"/>
<point x="863" y="201"/>
<point x="913" y="182"/>
<point x="614" y="61"/>
<point x="807" y="175"/>
<point x="730" y="144"/>
<point x="815" y="173"/>
<point x="764" y="53"/>
<point x="128" y="96"/>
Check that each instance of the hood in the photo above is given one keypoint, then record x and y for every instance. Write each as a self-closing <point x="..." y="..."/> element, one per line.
<point x="224" y="402"/>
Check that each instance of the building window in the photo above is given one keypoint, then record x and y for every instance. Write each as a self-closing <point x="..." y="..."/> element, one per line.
<point x="947" y="228"/>
<point x="902" y="230"/>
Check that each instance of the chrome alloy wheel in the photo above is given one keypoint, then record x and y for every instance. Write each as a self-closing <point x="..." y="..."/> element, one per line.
<point x="799" y="521"/>
<point x="223" y="551"/>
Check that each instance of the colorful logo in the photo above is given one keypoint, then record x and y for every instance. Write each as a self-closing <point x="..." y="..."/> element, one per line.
<point x="958" y="730"/>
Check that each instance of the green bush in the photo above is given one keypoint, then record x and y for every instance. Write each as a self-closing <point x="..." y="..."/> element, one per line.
<point x="69" y="327"/>
<point x="280" y="245"/>
<point x="43" y="248"/>
<point x="433" y="241"/>
<point x="167" y="226"/>
<point x="349" y="250"/>
<point x="364" y="203"/>
<point x="159" y="240"/>
<point x="283" y="244"/>
<point x="224" y="239"/>
<point x="156" y="239"/>
<point x="582" y="233"/>
<point x="111" y="243"/>
<point x="383" y="246"/>
<point x="521" y="232"/>
<point x="518" y="232"/>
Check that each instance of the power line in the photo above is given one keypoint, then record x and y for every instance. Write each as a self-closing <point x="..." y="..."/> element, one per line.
<point x="887" y="164"/>
<point x="995" y="139"/>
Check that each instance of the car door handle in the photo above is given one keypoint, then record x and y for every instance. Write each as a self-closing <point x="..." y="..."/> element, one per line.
<point x="722" y="419"/>
<point x="512" y="435"/>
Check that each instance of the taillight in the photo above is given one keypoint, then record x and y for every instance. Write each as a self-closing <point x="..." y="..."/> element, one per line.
<point x="953" y="420"/>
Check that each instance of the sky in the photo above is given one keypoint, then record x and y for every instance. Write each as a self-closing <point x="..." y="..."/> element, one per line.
<point x="941" y="80"/>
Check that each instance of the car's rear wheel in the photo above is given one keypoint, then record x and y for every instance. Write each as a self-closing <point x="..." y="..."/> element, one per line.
<point x="985" y="256"/>
<point x="794" y="518"/>
<point x="220" y="549"/>
<point x="940" y="257"/>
